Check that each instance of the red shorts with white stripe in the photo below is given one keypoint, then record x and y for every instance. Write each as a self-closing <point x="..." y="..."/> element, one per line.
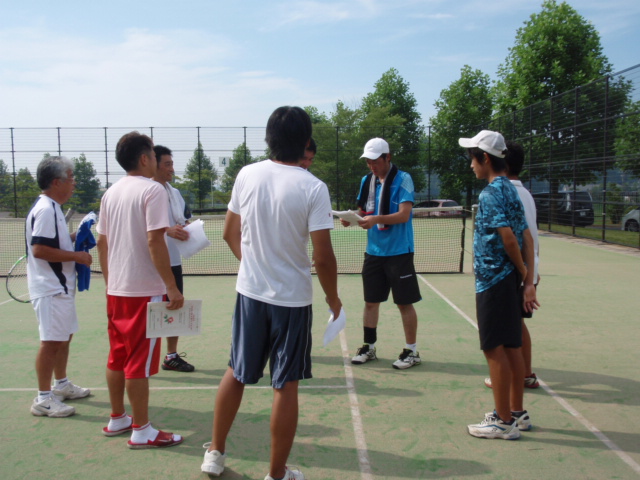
<point x="130" y="349"/>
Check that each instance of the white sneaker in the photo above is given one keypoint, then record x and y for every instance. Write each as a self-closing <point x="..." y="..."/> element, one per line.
<point x="493" y="427"/>
<point x="408" y="358"/>
<point x="523" y="421"/>
<point x="51" y="407"/>
<point x="289" y="474"/>
<point x="69" y="391"/>
<point x="364" y="354"/>
<point x="213" y="462"/>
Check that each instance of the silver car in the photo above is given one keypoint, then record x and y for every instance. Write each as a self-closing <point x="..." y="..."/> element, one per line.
<point x="631" y="221"/>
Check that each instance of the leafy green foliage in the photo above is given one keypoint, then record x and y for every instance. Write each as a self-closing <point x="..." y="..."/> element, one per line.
<point x="199" y="177"/>
<point x="461" y="108"/>
<point x="240" y="157"/>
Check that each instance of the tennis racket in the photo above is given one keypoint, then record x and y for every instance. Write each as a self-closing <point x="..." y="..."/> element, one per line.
<point x="17" y="285"/>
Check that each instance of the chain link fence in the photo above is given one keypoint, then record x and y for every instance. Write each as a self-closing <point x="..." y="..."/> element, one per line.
<point x="582" y="159"/>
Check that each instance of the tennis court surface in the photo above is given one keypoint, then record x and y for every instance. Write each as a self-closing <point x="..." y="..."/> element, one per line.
<point x="368" y="421"/>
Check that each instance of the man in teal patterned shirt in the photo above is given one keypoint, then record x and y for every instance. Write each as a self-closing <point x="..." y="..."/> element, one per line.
<point x="503" y="249"/>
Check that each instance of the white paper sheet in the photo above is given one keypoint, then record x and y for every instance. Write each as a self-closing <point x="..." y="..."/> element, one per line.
<point x="334" y="327"/>
<point x="348" y="216"/>
<point x="197" y="239"/>
<point x="174" y="323"/>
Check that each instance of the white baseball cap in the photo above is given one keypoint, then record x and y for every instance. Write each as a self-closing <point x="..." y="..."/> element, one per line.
<point x="375" y="148"/>
<point x="490" y="142"/>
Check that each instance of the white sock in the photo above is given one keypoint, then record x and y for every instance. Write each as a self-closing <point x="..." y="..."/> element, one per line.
<point x="172" y="355"/>
<point x="42" y="396"/>
<point x="144" y="433"/>
<point x="60" y="382"/>
<point x="411" y="347"/>
<point x="120" y="422"/>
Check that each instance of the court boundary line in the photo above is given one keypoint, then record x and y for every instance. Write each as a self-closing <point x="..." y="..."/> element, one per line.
<point x="557" y="397"/>
<point x="356" y="418"/>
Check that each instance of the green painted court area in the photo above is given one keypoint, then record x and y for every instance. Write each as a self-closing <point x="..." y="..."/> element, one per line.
<point x="369" y="421"/>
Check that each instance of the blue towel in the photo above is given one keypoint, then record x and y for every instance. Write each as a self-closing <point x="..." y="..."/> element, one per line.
<point x="84" y="242"/>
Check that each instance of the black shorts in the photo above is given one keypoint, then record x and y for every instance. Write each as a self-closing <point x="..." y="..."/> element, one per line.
<point x="499" y="314"/>
<point x="396" y="274"/>
<point x="177" y="274"/>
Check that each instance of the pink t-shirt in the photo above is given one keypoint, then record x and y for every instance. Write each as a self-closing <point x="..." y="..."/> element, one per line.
<point x="129" y="209"/>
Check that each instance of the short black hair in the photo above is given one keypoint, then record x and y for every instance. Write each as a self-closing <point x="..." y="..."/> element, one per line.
<point x="130" y="148"/>
<point x="288" y="132"/>
<point x="161" y="150"/>
<point x="514" y="158"/>
<point x="498" y="164"/>
<point x="312" y="146"/>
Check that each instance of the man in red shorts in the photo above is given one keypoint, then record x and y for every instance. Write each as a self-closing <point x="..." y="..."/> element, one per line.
<point x="135" y="264"/>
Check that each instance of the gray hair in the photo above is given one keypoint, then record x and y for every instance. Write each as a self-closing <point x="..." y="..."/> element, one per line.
<point x="52" y="168"/>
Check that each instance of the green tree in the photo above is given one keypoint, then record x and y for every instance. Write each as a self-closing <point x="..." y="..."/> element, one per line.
<point x="240" y="157"/>
<point x="316" y="116"/>
<point x="556" y="69"/>
<point x="392" y="93"/>
<point x="556" y="51"/>
<point x="27" y="192"/>
<point x="627" y="142"/>
<point x="87" y="193"/>
<point x="340" y="142"/>
<point x="199" y="176"/>
<point x="615" y="205"/>
<point x="6" y="187"/>
<point x="461" y="108"/>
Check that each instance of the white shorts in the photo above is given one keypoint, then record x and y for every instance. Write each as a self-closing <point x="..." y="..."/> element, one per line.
<point x="56" y="316"/>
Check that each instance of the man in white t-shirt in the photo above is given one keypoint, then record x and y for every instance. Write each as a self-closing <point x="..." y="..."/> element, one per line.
<point x="275" y="207"/>
<point x="51" y="275"/>
<point x="135" y="263"/>
<point x="179" y="214"/>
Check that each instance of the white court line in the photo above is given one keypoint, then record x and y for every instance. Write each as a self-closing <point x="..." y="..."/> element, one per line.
<point x="587" y="424"/>
<point x="7" y="301"/>
<point x="356" y="419"/>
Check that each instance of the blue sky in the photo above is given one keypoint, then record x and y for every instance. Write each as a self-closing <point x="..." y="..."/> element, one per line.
<point x="212" y="63"/>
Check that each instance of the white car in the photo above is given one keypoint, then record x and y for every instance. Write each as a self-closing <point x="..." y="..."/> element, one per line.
<point x="631" y="221"/>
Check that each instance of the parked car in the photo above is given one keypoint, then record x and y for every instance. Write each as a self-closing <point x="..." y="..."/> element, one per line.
<point x="570" y="208"/>
<point x="439" y="203"/>
<point x="631" y="221"/>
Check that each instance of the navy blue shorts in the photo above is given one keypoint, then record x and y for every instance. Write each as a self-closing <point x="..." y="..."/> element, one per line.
<point x="263" y="332"/>
<point x="396" y="274"/>
<point x="499" y="314"/>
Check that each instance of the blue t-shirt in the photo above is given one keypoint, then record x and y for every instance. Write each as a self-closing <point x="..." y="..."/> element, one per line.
<point x="499" y="206"/>
<point x="396" y="239"/>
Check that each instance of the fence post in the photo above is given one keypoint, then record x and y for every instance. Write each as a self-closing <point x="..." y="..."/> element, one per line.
<point x="15" y="178"/>
<point x="604" y="156"/>
<point x="337" y="168"/>
<point x="106" y="158"/>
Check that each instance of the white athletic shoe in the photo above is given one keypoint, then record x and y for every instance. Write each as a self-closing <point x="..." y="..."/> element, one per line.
<point x="213" y="462"/>
<point x="51" y="407"/>
<point x="408" y="358"/>
<point x="523" y="421"/>
<point x="289" y="474"/>
<point x="70" y="391"/>
<point x="364" y="354"/>
<point x="493" y="427"/>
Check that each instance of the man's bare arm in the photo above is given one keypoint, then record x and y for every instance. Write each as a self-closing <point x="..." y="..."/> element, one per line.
<point x="327" y="268"/>
<point x="160" y="257"/>
<point x="232" y="233"/>
<point x="103" y="257"/>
